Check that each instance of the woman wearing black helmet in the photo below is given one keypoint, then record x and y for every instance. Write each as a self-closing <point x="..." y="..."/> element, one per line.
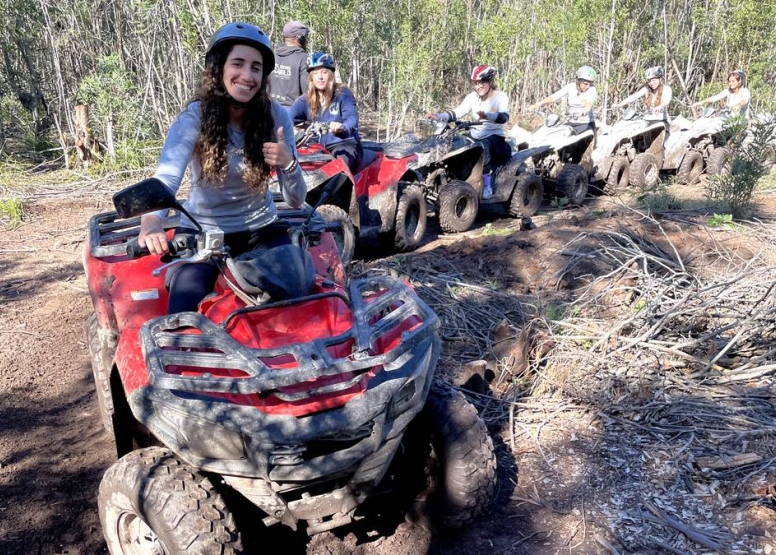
<point x="231" y="136"/>
<point x="327" y="101"/>
<point x="657" y="92"/>
<point x="736" y="96"/>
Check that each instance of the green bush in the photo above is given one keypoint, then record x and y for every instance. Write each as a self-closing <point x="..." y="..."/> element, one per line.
<point x="750" y="152"/>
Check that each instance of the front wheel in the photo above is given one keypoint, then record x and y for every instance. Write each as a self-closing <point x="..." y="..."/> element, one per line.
<point x="464" y="470"/>
<point x="573" y="183"/>
<point x="458" y="206"/>
<point x="619" y="175"/>
<point x="345" y="237"/>
<point x="717" y="163"/>
<point x="151" y="503"/>
<point x="690" y="169"/>
<point x="644" y="171"/>
<point x="527" y="197"/>
<point x="410" y="223"/>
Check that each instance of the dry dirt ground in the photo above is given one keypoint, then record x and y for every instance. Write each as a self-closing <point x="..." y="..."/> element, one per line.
<point x="570" y="480"/>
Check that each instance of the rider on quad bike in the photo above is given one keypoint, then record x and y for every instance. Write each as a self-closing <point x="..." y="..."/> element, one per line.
<point x="632" y="150"/>
<point x="568" y="162"/>
<point x="383" y="197"/>
<point x="470" y="163"/>
<point x="284" y="387"/>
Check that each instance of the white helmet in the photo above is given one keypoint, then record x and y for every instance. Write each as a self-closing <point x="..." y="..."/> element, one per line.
<point x="587" y="73"/>
<point x="654" y="73"/>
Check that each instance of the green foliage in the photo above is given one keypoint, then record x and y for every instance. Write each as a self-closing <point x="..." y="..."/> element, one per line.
<point x="11" y="211"/>
<point x="721" y="220"/>
<point x="115" y="100"/>
<point x="559" y="202"/>
<point x="489" y="230"/>
<point x="748" y="152"/>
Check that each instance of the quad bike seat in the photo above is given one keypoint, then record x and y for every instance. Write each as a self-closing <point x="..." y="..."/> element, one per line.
<point x="283" y="272"/>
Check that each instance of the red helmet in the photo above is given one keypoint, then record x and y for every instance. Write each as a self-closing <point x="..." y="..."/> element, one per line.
<point x="483" y="73"/>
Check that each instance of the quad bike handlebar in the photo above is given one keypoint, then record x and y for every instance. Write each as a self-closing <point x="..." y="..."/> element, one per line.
<point x="310" y="130"/>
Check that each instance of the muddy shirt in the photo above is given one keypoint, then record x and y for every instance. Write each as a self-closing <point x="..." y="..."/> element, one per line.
<point x="288" y="81"/>
<point x="653" y="113"/>
<point x="231" y="205"/>
<point x="472" y="104"/>
<point x="738" y="100"/>
<point x="580" y="104"/>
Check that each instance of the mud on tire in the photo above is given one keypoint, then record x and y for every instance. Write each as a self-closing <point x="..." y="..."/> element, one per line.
<point x="458" y="206"/>
<point x="101" y="359"/>
<point x="464" y="466"/>
<point x="527" y="196"/>
<point x="150" y="500"/>
<point x="644" y="171"/>
<point x="346" y="237"/>
<point x="619" y="175"/>
<point x="573" y="182"/>
<point x="690" y="169"/>
<point x="410" y="223"/>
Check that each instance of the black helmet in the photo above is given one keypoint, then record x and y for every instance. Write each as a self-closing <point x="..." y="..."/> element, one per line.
<point x="244" y="33"/>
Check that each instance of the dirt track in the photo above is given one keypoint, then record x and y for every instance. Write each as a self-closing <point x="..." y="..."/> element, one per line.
<point x="53" y="449"/>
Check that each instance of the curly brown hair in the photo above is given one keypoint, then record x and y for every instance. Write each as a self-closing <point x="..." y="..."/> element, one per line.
<point x="654" y="98"/>
<point x="258" y="125"/>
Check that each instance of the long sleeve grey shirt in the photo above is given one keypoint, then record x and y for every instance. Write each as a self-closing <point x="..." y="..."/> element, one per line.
<point x="233" y="205"/>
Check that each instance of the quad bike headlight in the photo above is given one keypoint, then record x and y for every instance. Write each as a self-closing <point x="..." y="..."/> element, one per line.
<point x="402" y="400"/>
<point x="201" y="437"/>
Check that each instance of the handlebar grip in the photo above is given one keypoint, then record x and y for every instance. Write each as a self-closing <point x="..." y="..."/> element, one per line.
<point x="134" y="250"/>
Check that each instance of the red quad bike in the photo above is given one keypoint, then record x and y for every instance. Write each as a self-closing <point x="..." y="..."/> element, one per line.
<point x="286" y="388"/>
<point x="382" y="199"/>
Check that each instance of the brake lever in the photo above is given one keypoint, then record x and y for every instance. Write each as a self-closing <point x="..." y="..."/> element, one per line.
<point x="200" y="256"/>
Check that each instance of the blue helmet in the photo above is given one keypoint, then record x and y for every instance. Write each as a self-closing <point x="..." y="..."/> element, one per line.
<point x="317" y="60"/>
<point x="244" y="33"/>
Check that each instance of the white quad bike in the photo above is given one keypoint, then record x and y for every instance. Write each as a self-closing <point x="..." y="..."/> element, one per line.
<point x="629" y="152"/>
<point x="560" y="156"/>
<point x="695" y="145"/>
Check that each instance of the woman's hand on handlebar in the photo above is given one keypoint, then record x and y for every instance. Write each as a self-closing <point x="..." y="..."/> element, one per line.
<point x="434" y="117"/>
<point x="152" y="235"/>
<point x="336" y="127"/>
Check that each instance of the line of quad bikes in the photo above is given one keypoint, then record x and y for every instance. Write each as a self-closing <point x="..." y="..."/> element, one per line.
<point x="399" y="183"/>
<point x="295" y="395"/>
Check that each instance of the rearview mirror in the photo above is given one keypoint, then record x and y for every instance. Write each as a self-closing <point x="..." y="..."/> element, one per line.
<point x="147" y="196"/>
<point x="551" y="120"/>
<point x="628" y="113"/>
<point x="708" y="112"/>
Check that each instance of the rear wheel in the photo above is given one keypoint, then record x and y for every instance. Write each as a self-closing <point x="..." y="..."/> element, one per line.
<point x="458" y="206"/>
<point x="464" y="468"/>
<point x="345" y="236"/>
<point x="150" y="503"/>
<point x="410" y="223"/>
<point x="690" y="169"/>
<point x="527" y="197"/>
<point x="619" y="175"/>
<point x="573" y="182"/>
<point x="644" y="171"/>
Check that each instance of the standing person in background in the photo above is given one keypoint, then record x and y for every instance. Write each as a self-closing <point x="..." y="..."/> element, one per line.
<point x="581" y="97"/>
<point x="491" y="106"/>
<point x="288" y="81"/>
<point x="332" y="103"/>
<point x="658" y="95"/>
<point x="736" y="96"/>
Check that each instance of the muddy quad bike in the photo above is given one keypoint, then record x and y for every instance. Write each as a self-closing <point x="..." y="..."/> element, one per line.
<point x="630" y="152"/>
<point x="562" y="158"/>
<point x="693" y="146"/>
<point x="383" y="198"/>
<point x="451" y="162"/>
<point x="289" y="389"/>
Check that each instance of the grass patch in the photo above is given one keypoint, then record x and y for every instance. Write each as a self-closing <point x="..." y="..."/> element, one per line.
<point x="11" y="211"/>
<point x="490" y="230"/>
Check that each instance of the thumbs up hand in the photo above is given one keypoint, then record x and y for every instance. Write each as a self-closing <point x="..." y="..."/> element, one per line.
<point x="277" y="154"/>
